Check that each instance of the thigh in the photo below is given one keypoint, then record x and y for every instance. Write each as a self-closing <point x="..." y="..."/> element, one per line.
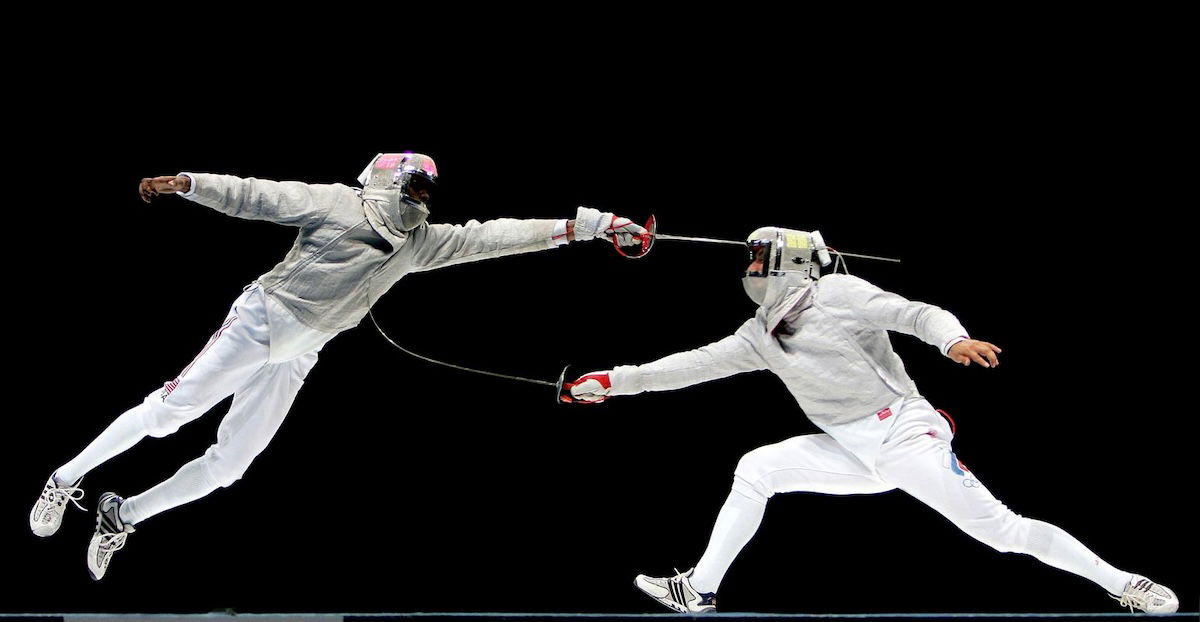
<point x="235" y="352"/>
<point x="261" y="405"/>
<point x="810" y="463"/>
<point x="926" y="467"/>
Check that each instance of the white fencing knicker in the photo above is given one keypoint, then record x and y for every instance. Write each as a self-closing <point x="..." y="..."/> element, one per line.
<point x="916" y="457"/>
<point x="261" y="355"/>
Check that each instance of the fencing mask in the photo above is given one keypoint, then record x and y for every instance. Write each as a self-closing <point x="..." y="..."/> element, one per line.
<point x="392" y="184"/>
<point x="783" y="268"/>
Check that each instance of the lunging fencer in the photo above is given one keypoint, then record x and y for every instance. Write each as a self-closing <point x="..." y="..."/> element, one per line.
<point x="353" y="245"/>
<point x="827" y="339"/>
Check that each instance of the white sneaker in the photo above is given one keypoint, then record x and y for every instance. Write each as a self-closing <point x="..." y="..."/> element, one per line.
<point x="47" y="514"/>
<point x="677" y="593"/>
<point x="110" y="534"/>
<point x="1142" y="593"/>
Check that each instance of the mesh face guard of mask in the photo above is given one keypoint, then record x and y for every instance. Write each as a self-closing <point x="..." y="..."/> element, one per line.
<point x="406" y="172"/>
<point x="786" y="253"/>
<point x="398" y="178"/>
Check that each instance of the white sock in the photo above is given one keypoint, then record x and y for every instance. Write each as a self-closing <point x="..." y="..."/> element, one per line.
<point x="120" y="435"/>
<point x="1057" y="548"/>
<point x="736" y="524"/>
<point x="187" y="484"/>
<point x="61" y="483"/>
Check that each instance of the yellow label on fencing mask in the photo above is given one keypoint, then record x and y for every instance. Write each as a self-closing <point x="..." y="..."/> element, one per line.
<point x="797" y="240"/>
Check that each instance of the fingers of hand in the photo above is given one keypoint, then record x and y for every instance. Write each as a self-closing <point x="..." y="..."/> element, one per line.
<point x="625" y="225"/>
<point x="985" y="353"/>
<point x="589" y="386"/>
<point x="605" y="224"/>
<point x="146" y="190"/>
<point x="589" y="389"/>
<point x="981" y="355"/>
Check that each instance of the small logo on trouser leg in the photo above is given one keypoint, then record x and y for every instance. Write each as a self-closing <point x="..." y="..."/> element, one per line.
<point x="168" y="388"/>
<point x="956" y="466"/>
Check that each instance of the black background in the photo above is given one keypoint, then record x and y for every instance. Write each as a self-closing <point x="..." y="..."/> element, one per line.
<point x="1038" y="196"/>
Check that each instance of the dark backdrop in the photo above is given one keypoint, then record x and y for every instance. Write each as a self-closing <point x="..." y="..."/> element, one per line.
<point x="1041" y="207"/>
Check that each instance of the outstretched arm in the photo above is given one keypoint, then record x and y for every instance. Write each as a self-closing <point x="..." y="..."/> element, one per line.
<point x="929" y="323"/>
<point x="447" y="245"/>
<point x="734" y="354"/>
<point x="288" y="202"/>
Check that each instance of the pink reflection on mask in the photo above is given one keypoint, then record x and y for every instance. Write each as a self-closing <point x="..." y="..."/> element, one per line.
<point x="388" y="162"/>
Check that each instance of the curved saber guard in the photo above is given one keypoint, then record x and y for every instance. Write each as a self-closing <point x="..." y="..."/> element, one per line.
<point x="647" y="240"/>
<point x="564" y="391"/>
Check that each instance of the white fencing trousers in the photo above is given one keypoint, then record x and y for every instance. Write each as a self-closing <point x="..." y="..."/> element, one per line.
<point x="237" y="360"/>
<point x="917" y="458"/>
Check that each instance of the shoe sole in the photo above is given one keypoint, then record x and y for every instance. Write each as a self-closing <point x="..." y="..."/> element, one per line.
<point x="92" y="550"/>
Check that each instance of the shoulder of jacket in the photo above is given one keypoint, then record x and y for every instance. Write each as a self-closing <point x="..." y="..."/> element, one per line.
<point x="839" y="277"/>
<point x="831" y="284"/>
<point x="751" y="324"/>
<point x="839" y="290"/>
<point x="841" y="283"/>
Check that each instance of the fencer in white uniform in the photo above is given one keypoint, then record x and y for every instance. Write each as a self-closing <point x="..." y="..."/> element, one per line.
<point x="353" y="245"/>
<point x="828" y="341"/>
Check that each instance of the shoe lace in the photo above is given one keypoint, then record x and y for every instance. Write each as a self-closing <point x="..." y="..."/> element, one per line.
<point x="59" y="495"/>
<point x="1135" y="596"/>
<point x="704" y="598"/>
<point x="679" y="577"/>
<point x="112" y="542"/>
<point x="1125" y="601"/>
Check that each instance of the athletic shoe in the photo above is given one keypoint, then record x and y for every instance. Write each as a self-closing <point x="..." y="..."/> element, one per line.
<point x="1142" y="593"/>
<point x="110" y="534"/>
<point x="677" y="593"/>
<point x="47" y="514"/>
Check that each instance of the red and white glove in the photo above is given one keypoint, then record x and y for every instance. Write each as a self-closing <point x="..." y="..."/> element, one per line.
<point x="591" y="388"/>
<point x="592" y="223"/>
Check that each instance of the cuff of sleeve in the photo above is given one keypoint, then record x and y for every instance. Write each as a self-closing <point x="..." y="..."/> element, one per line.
<point x="951" y="342"/>
<point x="626" y="380"/>
<point x="559" y="236"/>
<point x="191" y="187"/>
<point x="587" y="223"/>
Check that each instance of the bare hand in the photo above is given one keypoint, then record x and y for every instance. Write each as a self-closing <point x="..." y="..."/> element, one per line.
<point x="980" y="352"/>
<point x="170" y="184"/>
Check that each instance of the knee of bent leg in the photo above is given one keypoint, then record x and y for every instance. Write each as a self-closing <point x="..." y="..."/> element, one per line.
<point x="749" y="476"/>
<point x="224" y="469"/>
<point x="161" y="417"/>
<point x="160" y="421"/>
